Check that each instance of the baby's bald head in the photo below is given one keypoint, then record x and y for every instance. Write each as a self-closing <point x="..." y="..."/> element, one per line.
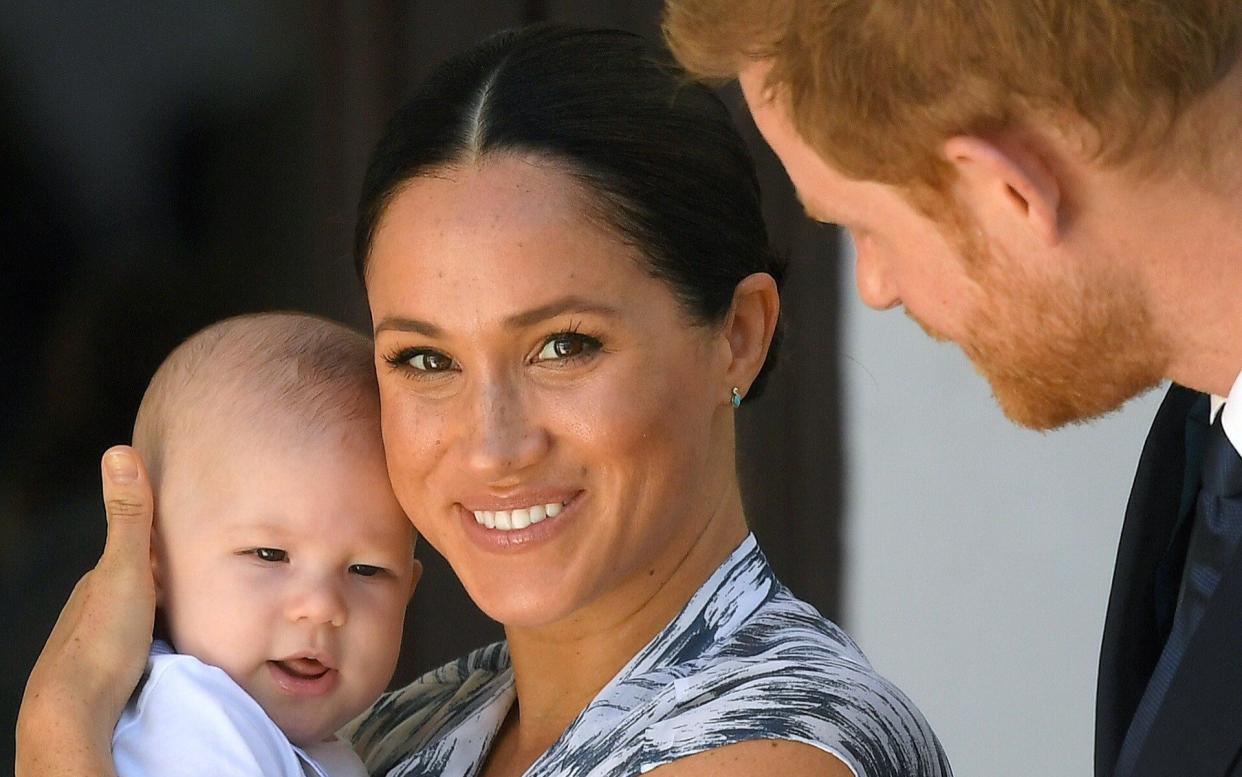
<point x="290" y="374"/>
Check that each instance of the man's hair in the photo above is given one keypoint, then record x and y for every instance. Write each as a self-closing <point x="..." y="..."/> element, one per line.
<point x="298" y="372"/>
<point x="877" y="86"/>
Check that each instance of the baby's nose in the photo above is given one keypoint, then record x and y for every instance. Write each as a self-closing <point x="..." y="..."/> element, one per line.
<point x="318" y="602"/>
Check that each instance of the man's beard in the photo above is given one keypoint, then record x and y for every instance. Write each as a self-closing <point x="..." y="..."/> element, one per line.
<point x="1060" y="350"/>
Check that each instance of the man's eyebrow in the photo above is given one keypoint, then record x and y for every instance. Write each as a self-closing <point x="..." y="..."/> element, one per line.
<point x="570" y="304"/>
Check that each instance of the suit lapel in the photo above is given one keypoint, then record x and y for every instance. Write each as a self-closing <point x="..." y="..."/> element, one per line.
<point x="1198" y="730"/>
<point x="1149" y="563"/>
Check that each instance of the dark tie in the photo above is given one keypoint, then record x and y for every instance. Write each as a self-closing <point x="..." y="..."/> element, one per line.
<point x="1214" y="537"/>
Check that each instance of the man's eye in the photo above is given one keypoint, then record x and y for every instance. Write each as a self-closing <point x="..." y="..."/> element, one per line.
<point x="271" y="554"/>
<point x="430" y="361"/>
<point x="365" y="570"/>
<point x="567" y="345"/>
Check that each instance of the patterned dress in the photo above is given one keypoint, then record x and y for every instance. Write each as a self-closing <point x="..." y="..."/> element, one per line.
<point x="744" y="660"/>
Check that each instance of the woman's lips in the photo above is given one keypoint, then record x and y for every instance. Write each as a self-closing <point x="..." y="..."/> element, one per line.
<point x="511" y="527"/>
<point x="303" y="676"/>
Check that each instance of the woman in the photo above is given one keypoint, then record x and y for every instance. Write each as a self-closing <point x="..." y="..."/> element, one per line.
<point x="571" y="293"/>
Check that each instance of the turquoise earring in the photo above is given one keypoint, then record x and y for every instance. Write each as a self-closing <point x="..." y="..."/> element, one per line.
<point x="736" y="399"/>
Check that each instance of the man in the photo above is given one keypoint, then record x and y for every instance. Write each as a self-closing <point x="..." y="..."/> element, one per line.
<point x="1056" y="187"/>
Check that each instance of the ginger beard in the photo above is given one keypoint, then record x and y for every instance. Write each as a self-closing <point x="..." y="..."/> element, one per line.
<point x="1057" y="348"/>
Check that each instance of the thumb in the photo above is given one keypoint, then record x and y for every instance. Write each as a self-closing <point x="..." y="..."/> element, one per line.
<point x="128" y="503"/>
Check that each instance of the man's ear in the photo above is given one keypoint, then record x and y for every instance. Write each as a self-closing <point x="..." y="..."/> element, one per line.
<point x="748" y="329"/>
<point x="1009" y="182"/>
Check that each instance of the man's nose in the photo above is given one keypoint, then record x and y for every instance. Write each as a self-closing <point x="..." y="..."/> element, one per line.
<point x="876" y="286"/>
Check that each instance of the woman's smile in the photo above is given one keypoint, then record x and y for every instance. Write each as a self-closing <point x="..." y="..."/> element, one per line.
<point x="500" y="526"/>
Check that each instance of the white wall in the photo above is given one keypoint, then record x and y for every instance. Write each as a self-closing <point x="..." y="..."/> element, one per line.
<point x="979" y="555"/>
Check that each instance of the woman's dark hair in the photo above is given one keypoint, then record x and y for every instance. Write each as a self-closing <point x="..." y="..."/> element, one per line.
<point x="658" y="153"/>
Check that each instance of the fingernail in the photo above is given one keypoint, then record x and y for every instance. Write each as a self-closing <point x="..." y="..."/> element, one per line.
<point x="121" y="467"/>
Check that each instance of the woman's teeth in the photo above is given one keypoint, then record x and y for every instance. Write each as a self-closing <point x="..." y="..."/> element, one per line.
<point x="509" y="520"/>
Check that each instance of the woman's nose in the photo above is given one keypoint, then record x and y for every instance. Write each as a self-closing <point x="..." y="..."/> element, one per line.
<point x="506" y="436"/>
<point x="875" y="282"/>
<point x="317" y="601"/>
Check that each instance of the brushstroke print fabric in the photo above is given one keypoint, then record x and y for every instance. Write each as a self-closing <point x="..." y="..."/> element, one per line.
<point x="744" y="660"/>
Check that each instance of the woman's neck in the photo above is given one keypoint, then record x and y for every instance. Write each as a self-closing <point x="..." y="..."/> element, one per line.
<point x="560" y="667"/>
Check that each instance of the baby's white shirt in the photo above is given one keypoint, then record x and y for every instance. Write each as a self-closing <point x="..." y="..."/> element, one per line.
<point x="189" y="719"/>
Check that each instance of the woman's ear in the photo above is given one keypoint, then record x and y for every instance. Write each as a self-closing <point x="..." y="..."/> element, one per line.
<point x="1007" y="186"/>
<point x="748" y="329"/>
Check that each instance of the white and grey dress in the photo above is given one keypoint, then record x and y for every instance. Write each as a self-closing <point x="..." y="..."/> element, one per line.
<point x="744" y="660"/>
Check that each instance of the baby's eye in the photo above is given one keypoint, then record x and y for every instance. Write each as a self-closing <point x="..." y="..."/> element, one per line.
<point x="567" y="345"/>
<point x="274" y="555"/>
<point x="365" y="570"/>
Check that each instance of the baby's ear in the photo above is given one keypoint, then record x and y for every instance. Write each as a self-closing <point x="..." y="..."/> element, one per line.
<point x="157" y="571"/>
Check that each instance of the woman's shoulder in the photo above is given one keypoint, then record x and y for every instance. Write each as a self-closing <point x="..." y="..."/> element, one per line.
<point x="790" y="674"/>
<point x="788" y="630"/>
<point x="785" y="642"/>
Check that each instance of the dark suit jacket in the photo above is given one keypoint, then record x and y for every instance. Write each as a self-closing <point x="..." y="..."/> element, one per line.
<point x="1198" y="730"/>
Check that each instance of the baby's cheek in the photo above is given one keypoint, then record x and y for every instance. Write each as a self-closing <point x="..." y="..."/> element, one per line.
<point x="222" y="621"/>
<point x="382" y="645"/>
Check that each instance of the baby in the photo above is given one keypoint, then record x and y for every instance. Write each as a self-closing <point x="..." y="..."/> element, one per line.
<point x="282" y="561"/>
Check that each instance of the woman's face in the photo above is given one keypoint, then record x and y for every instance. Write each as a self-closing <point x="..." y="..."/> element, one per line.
<point x="555" y="424"/>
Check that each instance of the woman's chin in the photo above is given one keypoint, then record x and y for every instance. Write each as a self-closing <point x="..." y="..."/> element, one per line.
<point x="515" y="605"/>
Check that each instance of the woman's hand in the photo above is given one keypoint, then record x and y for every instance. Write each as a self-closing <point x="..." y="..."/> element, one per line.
<point x="97" y="651"/>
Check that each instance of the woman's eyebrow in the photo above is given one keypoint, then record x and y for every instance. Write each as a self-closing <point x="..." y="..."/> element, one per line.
<point x="402" y="324"/>
<point x="570" y="304"/>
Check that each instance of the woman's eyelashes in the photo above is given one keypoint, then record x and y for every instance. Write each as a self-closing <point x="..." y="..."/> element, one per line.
<point x="420" y="360"/>
<point x="567" y="347"/>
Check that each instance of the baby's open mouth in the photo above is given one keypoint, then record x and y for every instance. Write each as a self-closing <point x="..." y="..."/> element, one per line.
<point x="304" y="676"/>
<point x="303" y="668"/>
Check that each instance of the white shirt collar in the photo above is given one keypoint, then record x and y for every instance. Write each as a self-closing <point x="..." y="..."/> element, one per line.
<point x="1231" y="418"/>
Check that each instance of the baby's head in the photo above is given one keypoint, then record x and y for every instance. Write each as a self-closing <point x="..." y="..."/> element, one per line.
<point x="280" y="553"/>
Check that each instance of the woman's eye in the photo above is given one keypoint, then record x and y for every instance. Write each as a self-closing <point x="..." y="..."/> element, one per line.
<point x="365" y="570"/>
<point x="430" y="361"/>
<point x="274" y="555"/>
<point x="567" y="345"/>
